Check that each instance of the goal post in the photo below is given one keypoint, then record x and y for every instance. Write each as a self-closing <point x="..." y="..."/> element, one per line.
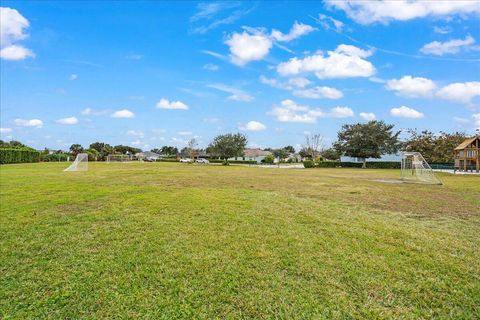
<point x="416" y="169"/>
<point x="80" y="163"/>
<point x="118" y="158"/>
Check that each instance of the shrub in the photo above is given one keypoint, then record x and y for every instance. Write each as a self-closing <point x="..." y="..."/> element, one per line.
<point x="18" y="155"/>
<point x="233" y="161"/>
<point x="383" y="165"/>
<point x="328" y="164"/>
<point x="167" y="160"/>
<point x="56" y="157"/>
<point x="269" y="159"/>
<point x="308" y="164"/>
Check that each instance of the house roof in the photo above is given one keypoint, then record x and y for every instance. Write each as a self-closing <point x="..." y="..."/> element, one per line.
<point x="148" y="154"/>
<point x="466" y="143"/>
<point x="256" y="153"/>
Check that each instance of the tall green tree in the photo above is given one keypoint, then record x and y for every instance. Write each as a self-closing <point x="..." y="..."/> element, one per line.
<point x="76" y="149"/>
<point x="434" y="148"/>
<point x="280" y="154"/>
<point x="228" y="145"/>
<point x="367" y="140"/>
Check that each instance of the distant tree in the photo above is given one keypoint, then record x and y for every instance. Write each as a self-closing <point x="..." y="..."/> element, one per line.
<point x="269" y="158"/>
<point x="228" y="145"/>
<point x="330" y="154"/>
<point x="76" y="149"/>
<point x="169" y="150"/>
<point x="312" y="147"/>
<point x="126" y="149"/>
<point x="434" y="148"/>
<point x="104" y="149"/>
<point x="290" y="149"/>
<point x="367" y="140"/>
<point x="192" y="148"/>
<point x="280" y="154"/>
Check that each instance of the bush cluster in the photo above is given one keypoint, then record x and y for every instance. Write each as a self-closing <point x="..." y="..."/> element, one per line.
<point x="233" y="161"/>
<point x="18" y="155"/>
<point x="338" y="164"/>
<point x="56" y="157"/>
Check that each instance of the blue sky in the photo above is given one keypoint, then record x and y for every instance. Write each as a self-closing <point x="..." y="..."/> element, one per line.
<point x="158" y="73"/>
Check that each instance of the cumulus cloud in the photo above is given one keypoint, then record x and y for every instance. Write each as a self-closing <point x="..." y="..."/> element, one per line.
<point x="369" y="116"/>
<point x="245" y="47"/>
<point x="340" y="112"/>
<point x="92" y="112"/>
<point x="236" y="94"/>
<point x="72" y="77"/>
<point x="210" y="67"/>
<point x="384" y="11"/>
<point x="346" y="61"/>
<point x="328" y="22"/>
<point x="462" y="92"/>
<point x="124" y="113"/>
<point x="406" y="112"/>
<point x="5" y="130"/>
<point x="476" y="120"/>
<point x="28" y="123"/>
<point x="254" y="44"/>
<point x="439" y="48"/>
<point x="174" y="105"/>
<point x="290" y="111"/>
<point x="67" y="121"/>
<point x="319" y="93"/>
<point x="253" y="126"/>
<point x="297" y="30"/>
<point x="12" y="30"/>
<point x="412" y="87"/>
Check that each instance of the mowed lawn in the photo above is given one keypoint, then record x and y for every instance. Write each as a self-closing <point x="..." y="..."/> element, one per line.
<point x="173" y="241"/>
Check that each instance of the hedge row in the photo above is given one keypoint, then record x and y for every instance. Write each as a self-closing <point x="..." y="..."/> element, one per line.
<point x="338" y="164"/>
<point x="234" y="161"/>
<point x="167" y="160"/>
<point x="10" y="155"/>
<point x="56" y="157"/>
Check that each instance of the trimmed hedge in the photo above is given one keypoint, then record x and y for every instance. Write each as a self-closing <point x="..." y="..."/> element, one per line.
<point x="18" y="155"/>
<point x="233" y="161"/>
<point x="167" y="160"/>
<point x="338" y="164"/>
<point x="56" y="157"/>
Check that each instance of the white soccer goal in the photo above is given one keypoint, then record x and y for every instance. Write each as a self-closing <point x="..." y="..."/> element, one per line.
<point x="118" y="158"/>
<point x="416" y="169"/>
<point x="80" y="163"/>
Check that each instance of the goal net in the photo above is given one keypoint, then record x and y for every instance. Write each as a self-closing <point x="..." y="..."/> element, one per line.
<point x="80" y="163"/>
<point x="416" y="169"/>
<point x="118" y="158"/>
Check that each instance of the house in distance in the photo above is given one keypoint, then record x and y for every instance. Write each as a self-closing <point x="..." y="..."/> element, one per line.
<point x="467" y="155"/>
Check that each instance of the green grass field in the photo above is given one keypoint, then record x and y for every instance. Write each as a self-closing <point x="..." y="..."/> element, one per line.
<point x="169" y="241"/>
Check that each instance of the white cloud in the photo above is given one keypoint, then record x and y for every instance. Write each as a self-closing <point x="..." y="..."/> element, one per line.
<point x="405" y="112"/>
<point x="253" y="126"/>
<point x="412" y="87"/>
<point x="297" y="30"/>
<point x="245" y="47"/>
<point x="184" y="133"/>
<point x="319" y="93"/>
<point x="448" y="47"/>
<point x="134" y="57"/>
<point x="369" y="116"/>
<point x="210" y="67"/>
<point x="72" y="77"/>
<point x="68" y="120"/>
<point x="384" y="11"/>
<point x="340" y="112"/>
<point x="124" y="113"/>
<point x="476" y="120"/>
<point x="299" y="82"/>
<point x="462" y="92"/>
<point x="330" y="23"/>
<point x="442" y="30"/>
<point x="345" y="61"/>
<point x="12" y="29"/>
<point x="254" y="44"/>
<point x="290" y="111"/>
<point x="237" y="94"/>
<point x="28" y="123"/>
<point x="5" y="130"/>
<point x="92" y="112"/>
<point x="166" y="104"/>
<point x="15" y="52"/>
<point x="135" y="133"/>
